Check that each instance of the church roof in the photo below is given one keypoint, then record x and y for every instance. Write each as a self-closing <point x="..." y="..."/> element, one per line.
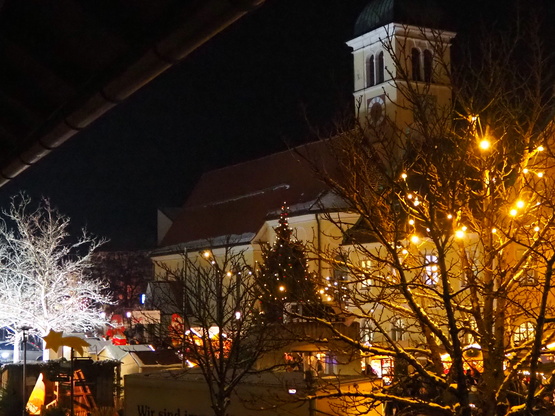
<point x="234" y="202"/>
<point x="377" y="13"/>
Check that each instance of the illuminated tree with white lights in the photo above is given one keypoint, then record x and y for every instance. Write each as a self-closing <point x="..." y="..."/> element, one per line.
<point x="44" y="282"/>
<point x="450" y="263"/>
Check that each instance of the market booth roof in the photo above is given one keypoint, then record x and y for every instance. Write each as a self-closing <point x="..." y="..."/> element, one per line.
<point x="67" y="62"/>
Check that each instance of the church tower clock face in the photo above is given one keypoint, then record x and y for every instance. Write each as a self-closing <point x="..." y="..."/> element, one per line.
<point x="376" y="110"/>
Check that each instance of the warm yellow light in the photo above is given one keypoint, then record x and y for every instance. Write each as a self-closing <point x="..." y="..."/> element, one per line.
<point x="282" y="288"/>
<point x="520" y="203"/>
<point x="464" y="228"/>
<point x="494" y="230"/>
<point x="414" y="239"/>
<point x="540" y="149"/>
<point x="485" y="144"/>
<point x="525" y="170"/>
<point x="404" y="175"/>
<point x="206" y="254"/>
<point x="411" y="222"/>
<point x="536" y="228"/>
<point x="229" y="274"/>
<point x="513" y="212"/>
<point x="459" y="234"/>
<point x="540" y="174"/>
<point x="449" y="216"/>
<point x="409" y="196"/>
<point x="405" y="251"/>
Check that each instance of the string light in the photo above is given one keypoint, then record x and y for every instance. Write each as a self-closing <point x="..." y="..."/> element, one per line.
<point x="485" y="144"/>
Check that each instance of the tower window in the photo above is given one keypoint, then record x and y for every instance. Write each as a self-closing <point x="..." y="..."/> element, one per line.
<point x="428" y="66"/>
<point x="370" y="72"/>
<point x="415" y="60"/>
<point x="380" y="68"/>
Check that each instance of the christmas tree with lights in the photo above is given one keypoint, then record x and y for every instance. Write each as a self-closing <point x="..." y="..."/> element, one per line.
<point x="286" y="283"/>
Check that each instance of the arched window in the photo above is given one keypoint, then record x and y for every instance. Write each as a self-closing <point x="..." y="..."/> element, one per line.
<point x="370" y="71"/>
<point x="428" y="66"/>
<point x="523" y="332"/>
<point x="380" y="68"/>
<point x="415" y="61"/>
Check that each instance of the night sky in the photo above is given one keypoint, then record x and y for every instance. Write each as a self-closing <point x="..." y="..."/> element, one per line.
<point x="238" y="97"/>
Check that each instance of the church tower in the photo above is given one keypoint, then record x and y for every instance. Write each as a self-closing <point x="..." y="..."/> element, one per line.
<point x="399" y="42"/>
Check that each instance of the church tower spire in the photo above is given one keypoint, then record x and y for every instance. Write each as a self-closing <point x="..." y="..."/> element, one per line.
<point x="396" y="42"/>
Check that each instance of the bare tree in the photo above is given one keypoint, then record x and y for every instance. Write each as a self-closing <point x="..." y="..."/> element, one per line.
<point x="450" y="263"/>
<point x="219" y="329"/>
<point x="127" y="274"/>
<point x="44" y="281"/>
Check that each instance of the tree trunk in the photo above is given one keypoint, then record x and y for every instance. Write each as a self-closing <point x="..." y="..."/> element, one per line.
<point x="18" y="337"/>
